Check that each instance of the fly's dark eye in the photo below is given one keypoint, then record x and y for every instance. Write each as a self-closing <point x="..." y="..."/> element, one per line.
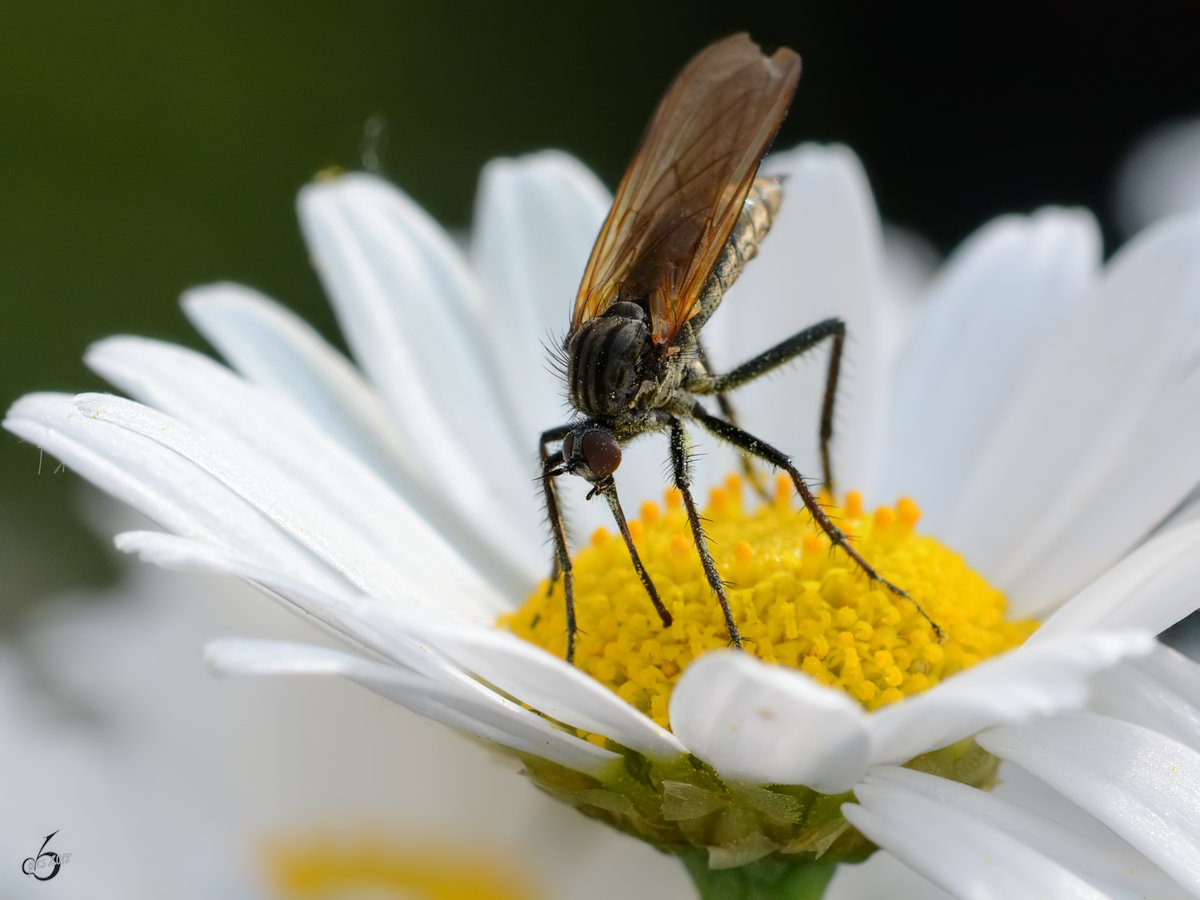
<point x="601" y="452"/>
<point x="568" y="446"/>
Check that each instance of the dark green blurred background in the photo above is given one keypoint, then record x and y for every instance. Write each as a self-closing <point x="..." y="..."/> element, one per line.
<point x="147" y="147"/>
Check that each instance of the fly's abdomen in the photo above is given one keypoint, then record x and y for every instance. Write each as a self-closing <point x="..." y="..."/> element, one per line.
<point x="758" y="213"/>
<point x="757" y="216"/>
<point x="604" y="364"/>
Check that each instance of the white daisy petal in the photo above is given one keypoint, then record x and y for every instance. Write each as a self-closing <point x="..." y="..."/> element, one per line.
<point x="210" y="399"/>
<point x="161" y="484"/>
<point x="536" y="219"/>
<point x="516" y="667"/>
<point x="1152" y="588"/>
<point x="1160" y="692"/>
<point x="1095" y="854"/>
<point x="1018" y="787"/>
<point x="1034" y="680"/>
<point x="297" y="510"/>
<point x="1109" y="867"/>
<point x="1083" y="395"/>
<point x="484" y="714"/>
<point x="1175" y="671"/>
<point x="272" y="346"/>
<point x="389" y="266"/>
<point x="1142" y="785"/>
<point x="1154" y="471"/>
<point x="398" y="635"/>
<point x="550" y="685"/>
<point x="999" y="298"/>
<point x="351" y="616"/>
<point x="768" y="725"/>
<point x="965" y="857"/>
<point x="1189" y="511"/>
<point x="360" y="233"/>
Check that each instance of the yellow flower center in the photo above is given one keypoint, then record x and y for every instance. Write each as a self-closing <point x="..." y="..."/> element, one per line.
<point x="796" y="601"/>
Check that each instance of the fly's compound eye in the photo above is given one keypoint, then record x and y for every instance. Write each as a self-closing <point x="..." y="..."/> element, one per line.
<point x="601" y="452"/>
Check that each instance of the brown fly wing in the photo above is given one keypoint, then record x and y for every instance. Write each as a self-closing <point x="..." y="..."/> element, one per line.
<point x="684" y="190"/>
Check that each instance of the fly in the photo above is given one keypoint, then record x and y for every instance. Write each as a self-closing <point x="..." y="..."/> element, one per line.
<point x="688" y="215"/>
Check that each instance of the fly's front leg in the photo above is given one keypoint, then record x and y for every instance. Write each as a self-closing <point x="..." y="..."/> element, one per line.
<point x="785" y="352"/>
<point x="549" y="437"/>
<point x="679" y="467"/>
<point x="609" y="490"/>
<point x="748" y="442"/>
<point x="552" y="468"/>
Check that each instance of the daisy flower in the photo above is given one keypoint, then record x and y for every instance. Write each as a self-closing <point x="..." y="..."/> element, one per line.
<point x="1036" y="404"/>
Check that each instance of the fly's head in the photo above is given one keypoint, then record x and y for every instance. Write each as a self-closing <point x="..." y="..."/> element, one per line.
<point x="591" y="451"/>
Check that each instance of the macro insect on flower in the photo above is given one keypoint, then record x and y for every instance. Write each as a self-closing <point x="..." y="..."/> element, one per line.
<point x="688" y="215"/>
<point x="1041" y="409"/>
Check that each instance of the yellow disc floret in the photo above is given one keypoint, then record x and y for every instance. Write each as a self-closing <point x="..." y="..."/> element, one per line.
<point x="797" y="601"/>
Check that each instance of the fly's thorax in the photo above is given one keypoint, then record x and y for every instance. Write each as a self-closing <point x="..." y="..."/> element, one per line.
<point x="608" y="359"/>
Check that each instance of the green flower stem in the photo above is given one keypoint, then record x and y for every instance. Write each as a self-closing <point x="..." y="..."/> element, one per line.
<point x="766" y="879"/>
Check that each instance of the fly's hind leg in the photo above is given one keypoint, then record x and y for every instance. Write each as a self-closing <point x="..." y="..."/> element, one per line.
<point x="784" y="352"/>
<point x="752" y="472"/>
<point x="764" y="451"/>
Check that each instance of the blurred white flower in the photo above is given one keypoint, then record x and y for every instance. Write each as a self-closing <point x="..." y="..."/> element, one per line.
<point x="1038" y="408"/>
<point x="1160" y="177"/>
<point x="165" y="782"/>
